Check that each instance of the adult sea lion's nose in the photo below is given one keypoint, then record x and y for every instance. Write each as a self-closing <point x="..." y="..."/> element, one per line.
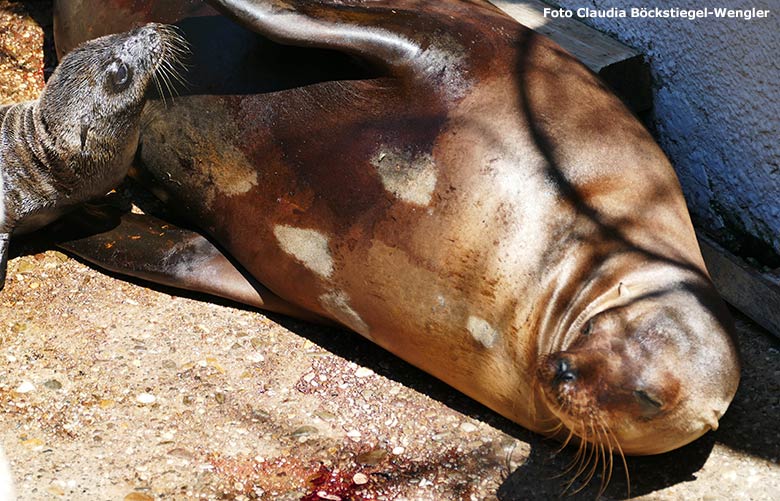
<point x="564" y="371"/>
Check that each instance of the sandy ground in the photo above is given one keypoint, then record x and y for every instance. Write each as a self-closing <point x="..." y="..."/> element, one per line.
<point x="113" y="390"/>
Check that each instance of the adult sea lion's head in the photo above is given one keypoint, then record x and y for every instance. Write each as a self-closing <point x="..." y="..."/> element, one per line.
<point x="646" y="368"/>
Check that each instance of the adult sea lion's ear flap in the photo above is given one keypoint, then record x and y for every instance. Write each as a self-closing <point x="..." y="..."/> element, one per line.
<point x="368" y="32"/>
<point x="151" y="249"/>
<point x="5" y="239"/>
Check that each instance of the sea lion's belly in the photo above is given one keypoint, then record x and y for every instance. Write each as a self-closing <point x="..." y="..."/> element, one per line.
<point x="378" y="219"/>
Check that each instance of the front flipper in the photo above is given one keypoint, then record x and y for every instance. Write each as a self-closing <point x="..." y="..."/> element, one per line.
<point x="148" y="248"/>
<point x="5" y="239"/>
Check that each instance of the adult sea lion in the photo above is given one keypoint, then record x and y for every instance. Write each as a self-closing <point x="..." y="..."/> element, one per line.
<point x="468" y="196"/>
<point x="77" y="141"/>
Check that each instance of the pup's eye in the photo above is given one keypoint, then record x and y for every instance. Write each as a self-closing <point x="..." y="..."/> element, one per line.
<point x="120" y="75"/>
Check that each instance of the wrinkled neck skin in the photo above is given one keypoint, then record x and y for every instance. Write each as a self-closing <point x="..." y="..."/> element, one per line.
<point x="599" y="291"/>
<point x="638" y="355"/>
<point x="45" y="176"/>
<point x="564" y="311"/>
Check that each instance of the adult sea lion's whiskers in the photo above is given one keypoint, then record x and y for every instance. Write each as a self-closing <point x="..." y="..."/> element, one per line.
<point x="607" y="474"/>
<point x="585" y="458"/>
<point x="553" y="430"/>
<point x="173" y="72"/>
<point x="579" y="456"/>
<point x="602" y="485"/>
<point x="622" y="457"/>
<point x="598" y="451"/>
<point x="565" y="442"/>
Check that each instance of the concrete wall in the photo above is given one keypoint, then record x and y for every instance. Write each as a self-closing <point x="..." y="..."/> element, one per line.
<point x="717" y="108"/>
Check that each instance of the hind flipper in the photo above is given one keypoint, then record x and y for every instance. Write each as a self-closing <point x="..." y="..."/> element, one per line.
<point x="312" y="24"/>
<point x="397" y="35"/>
<point x="148" y="248"/>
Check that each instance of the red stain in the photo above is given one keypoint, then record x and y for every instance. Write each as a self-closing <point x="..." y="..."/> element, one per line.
<point x="336" y="485"/>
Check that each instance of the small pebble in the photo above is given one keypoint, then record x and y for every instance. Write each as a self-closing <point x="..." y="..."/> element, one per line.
<point x="55" y="490"/>
<point x="53" y="384"/>
<point x="182" y="453"/>
<point x="18" y="327"/>
<point x="25" y="387"/>
<point x="25" y="267"/>
<point x="35" y="444"/>
<point x="329" y="497"/>
<point x="397" y="451"/>
<point x="60" y="256"/>
<point x="363" y="372"/>
<point x="360" y="479"/>
<point x="138" y="496"/>
<point x="468" y="427"/>
<point x="304" y="431"/>
<point x="146" y="398"/>
<point x="372" y="458"/>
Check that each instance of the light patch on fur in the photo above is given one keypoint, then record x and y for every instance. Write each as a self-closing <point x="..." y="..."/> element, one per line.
<point x="412" y="178"/>
<point x="310" y="247"/>
<point x="6" y="480"/>
<point x="187" y="158"/>
<point x="237" y="178"/>
<point x="337" y="304"/>
<point x="444" y="62"/>
<point x="482" y="331"/>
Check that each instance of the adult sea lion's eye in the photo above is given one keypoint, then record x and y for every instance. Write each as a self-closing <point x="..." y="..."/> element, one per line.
<point x="647" y="399"/>
<point x="587" y="328"/>
<point x="120" y="75"/>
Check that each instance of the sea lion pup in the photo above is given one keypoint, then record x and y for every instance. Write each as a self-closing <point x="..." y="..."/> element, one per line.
<point x="77" y="141"/>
